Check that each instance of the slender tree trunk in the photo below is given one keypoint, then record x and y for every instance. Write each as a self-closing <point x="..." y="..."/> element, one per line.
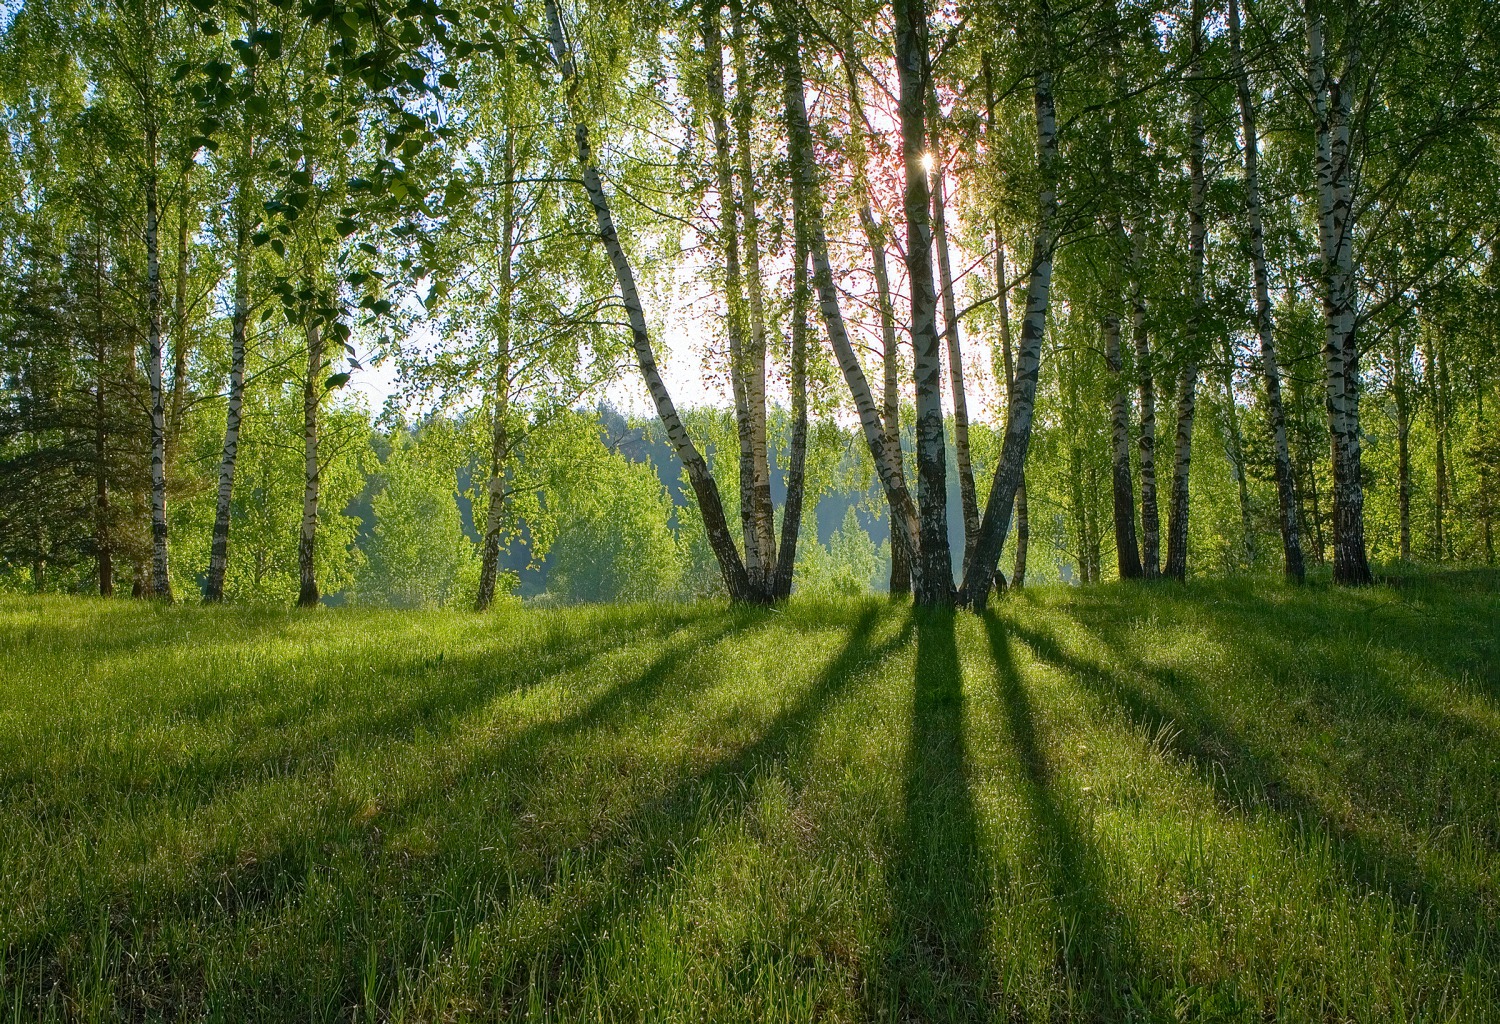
<point x="180" y="340"/>
<point x="1023" y="517"/>
<point x="1400" y="366"/>
<point x="1286" y="494"/>
<point x="218" y="556"/>
<point x="756" y="566"/>
<point x="307" y="536"/>
<point x="900" y="581"/>
<point x="1437" y="403"/>
<point x="1127" y="554"/>
<point x="1487" y="515"/>
<point x="875" y="238"/>
<point x="1237" y="454"/>
<point x="161" y="583"/>
<point x="705" y="488"/>
<point x="489" y="564"/>
<point x="1332" y="103"/>
<point x="807" y="211"/>
<point x="1146" y="396"/>
<point x="1067" y="368"/>
<point x="1122" y="485"/>
<point x="796" y="476"/>
<point x="1187" y="381"/>
<point x="103" y="540"/>
<point x="935" y="582"/>
<point x="967" y="497"/>
<point x="1007" y="369"/>
<point x="218" y="559"/>
<point x="1008" y="474"/>
<point x="755" y="352"/>
<point x="1091" y="520"/>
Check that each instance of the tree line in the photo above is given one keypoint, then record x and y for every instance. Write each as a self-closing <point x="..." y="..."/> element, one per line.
<point x="1010" y="244"/>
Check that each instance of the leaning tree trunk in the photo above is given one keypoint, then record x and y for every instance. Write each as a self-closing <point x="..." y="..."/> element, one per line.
<point x="874" y="231"/>
<point x="1187" y="380"/>
<point x="489" y="565"/>
<point x="808" y="212"/>
<point x="967" y="496"/>
<point x="307" y="536"/>
<point x="1286" y="493"/>
<point x="1007" y="356"/>
<point x="900" y="581"/>
<point x="935" y="581"/>
<point x="1019" y="414"/>
<point x="796" y="474"/>
<point x="161" y="583"/>
<point x="1333" y="112"/>
<point x="700" y="478"/>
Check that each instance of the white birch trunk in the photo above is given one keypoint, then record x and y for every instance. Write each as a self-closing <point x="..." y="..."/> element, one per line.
<point x="755" y="351"/>
<point x="1286" y="494"/>
<point x="905" y="528"/>
<point x="1009" y="474"/>
<point x="935" y="582"/>
<point x="968" y="499"/>
<point x="1333" y="112"/>
<point x="218" y="559"/>
<point x="161" y="581"/>
<point x="756" y="566"/>
<point x="489" y="564"/>
<point x="1146" y="397"/>
<point x="1187" y="381"/>
<point x="875" y="239"/>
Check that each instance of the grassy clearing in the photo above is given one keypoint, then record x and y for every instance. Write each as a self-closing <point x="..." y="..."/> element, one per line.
<point x="1224" y="802"/>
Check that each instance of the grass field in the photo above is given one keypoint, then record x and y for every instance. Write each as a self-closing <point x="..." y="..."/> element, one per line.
<point x="1223" y="802"/>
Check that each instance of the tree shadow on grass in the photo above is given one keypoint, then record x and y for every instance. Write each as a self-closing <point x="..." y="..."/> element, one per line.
<point x="227" y="883"/>
<point x="271" y="739"/>
<point x="1243" y="775"/>
<point x="655" y="840"/>
<point x="637" y="849"/>
<point x="938" y="964"/>
<point x="1099" y="958"/>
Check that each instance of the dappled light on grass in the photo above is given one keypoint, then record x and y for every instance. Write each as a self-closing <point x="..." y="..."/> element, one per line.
<point x="1223" y="802"/>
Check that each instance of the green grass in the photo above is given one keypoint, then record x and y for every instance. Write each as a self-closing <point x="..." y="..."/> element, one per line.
<point x="1225" y="802"/>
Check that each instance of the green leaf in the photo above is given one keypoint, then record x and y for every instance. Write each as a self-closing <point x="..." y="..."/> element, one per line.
<point x="338" y="380"/>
